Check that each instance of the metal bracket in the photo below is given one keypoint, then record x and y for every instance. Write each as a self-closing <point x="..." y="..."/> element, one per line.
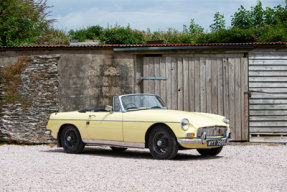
<point x="248" y="92"/>
<point x="154" y="78"/>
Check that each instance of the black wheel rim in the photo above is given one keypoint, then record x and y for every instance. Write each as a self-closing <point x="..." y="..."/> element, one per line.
<point x="161" y="143"/>
<point x="70" y="139"/>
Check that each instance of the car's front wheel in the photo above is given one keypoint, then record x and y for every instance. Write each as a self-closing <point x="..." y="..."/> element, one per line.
<point x="209" y="152"/>
<point x="71" y="140"/>
<point x="162" y="143"/>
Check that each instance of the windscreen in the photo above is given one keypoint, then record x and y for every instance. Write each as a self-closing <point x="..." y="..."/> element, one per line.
<point x="142" y="101"/>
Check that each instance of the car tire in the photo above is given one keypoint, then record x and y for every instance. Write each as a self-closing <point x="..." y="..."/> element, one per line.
<point x="209" y="152"/>
<point x="71" y="140"/>
<point x="119" y="149"/>
<point x="162" y="143"/>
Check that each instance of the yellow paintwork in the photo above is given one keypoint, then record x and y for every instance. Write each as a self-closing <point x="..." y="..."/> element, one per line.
<point x="106" y="129"/>
<point x="132" y="126"/>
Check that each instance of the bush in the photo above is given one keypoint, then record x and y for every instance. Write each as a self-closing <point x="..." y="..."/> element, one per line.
<point x="92" y="32"/>
<point x="58" y="37"/>
<point x="232" y="35"/>
<point x="274" y="34"/>
<point x="121" y="35"/>
<point x="170" y="36"/>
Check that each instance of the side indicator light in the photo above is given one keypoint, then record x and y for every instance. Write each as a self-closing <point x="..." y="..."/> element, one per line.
<point x="190" y="134"/>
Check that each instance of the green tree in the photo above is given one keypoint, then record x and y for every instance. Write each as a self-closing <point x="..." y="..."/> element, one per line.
<point x="24" y="21"/>
<point x="257" y="17"/>
<point x="219" y="22"/>
<point x="276" y="15"/>
<point x="193" y="31"/>
<point x="193" y="28"/>
<point x="242" y="19"/>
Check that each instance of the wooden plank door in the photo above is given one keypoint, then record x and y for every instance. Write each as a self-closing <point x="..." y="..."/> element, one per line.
<point x="202" y="84"/>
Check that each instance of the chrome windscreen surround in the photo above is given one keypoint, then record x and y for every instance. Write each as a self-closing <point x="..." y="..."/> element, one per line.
<point x="212" y="131"/>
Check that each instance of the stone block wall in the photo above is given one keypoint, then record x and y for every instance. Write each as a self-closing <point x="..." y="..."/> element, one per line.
<point x="2" y="135"/>
<point x="90" y="79"/>
<point x="40" y="86"/>
<point x="62" y="80"/>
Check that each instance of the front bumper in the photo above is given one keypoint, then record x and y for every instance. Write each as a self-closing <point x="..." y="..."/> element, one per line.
<point x="203" y="139"/>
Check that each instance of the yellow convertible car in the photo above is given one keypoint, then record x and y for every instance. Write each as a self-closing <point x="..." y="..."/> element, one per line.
<point x="140" y="121"/>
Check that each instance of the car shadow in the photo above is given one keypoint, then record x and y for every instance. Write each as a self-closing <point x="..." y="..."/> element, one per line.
<point x="132" y="154"/>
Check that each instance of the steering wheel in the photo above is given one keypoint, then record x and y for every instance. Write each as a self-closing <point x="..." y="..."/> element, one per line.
<point x="133" y="105"/>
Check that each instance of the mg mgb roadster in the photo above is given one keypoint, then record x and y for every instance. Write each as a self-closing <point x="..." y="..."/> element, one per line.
<point x="140" y="121"/>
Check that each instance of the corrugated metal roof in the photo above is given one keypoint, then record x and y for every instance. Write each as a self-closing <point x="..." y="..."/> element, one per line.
<point x="145" y="45"/>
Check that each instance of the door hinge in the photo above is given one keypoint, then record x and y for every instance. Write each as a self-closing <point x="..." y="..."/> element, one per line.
<point x="154" y="78"/>
<point x="248" y="92"/>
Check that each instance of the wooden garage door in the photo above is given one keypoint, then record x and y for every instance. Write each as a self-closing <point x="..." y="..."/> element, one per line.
<point x="268" y="102"/>
<point x="203" y="84"/>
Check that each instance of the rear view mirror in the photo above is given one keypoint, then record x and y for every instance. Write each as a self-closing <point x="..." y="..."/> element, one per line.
<point x="108" y="108"/>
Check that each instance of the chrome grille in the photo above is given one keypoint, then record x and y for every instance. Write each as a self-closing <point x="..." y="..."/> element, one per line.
<point x="212" y="131"/>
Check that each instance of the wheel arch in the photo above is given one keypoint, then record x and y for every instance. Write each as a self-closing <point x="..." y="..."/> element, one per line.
<point x="59" y="143"/>
<point x="151" y="128"/>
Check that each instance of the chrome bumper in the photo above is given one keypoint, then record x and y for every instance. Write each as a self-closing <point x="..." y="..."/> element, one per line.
<point x="203" y="139"/>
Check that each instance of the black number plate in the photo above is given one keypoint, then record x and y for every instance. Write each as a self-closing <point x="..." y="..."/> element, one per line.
<point x="216" y="142"/>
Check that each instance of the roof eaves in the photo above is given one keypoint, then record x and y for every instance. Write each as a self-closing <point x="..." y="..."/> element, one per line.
<point x="156" y="46"/>
<point x="161" y="48"/>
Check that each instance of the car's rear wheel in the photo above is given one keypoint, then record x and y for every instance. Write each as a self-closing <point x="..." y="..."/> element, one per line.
<point x="71" y="140"/>
<point x="162" y="143"/>
<point x="118" y="149"/>
<point x="210" y="152"/>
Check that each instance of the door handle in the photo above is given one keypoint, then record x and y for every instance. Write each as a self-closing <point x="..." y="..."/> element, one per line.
<point x="92" y="115"/>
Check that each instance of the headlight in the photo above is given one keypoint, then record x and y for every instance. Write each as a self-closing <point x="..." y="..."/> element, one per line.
<point x="226" y="121"/>
<point x="184" y="124"/>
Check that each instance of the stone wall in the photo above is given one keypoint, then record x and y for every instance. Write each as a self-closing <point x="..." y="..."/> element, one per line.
<point x="90" y="79"/>
<point x="40" y="86"/>
<point x="2" y="135"/>
<point x="62" y="80"/>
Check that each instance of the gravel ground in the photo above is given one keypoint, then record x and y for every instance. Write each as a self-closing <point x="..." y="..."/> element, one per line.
<point x="236" y="168"/>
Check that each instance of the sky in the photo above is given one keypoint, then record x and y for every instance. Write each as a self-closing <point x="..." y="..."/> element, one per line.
<point x="143" y="14"/>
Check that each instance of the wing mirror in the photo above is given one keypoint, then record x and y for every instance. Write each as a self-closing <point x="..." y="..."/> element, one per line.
<point x="109" y="108"/>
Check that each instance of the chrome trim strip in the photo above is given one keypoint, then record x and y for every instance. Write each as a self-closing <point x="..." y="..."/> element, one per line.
<point x="85" y="120"/>
<point x="151" y="121"/>
<point x="131" y="121"/>
<point x="114" y="143"/>
<point x="137" y="94"/>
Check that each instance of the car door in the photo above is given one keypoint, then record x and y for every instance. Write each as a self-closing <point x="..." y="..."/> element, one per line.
<point x="105" y="126"/>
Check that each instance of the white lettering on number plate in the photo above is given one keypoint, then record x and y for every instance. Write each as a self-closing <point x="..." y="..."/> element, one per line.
<point x="216" y="143"/>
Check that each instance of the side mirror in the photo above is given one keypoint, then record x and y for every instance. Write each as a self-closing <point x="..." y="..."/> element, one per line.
<point x="108" y="108"/>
